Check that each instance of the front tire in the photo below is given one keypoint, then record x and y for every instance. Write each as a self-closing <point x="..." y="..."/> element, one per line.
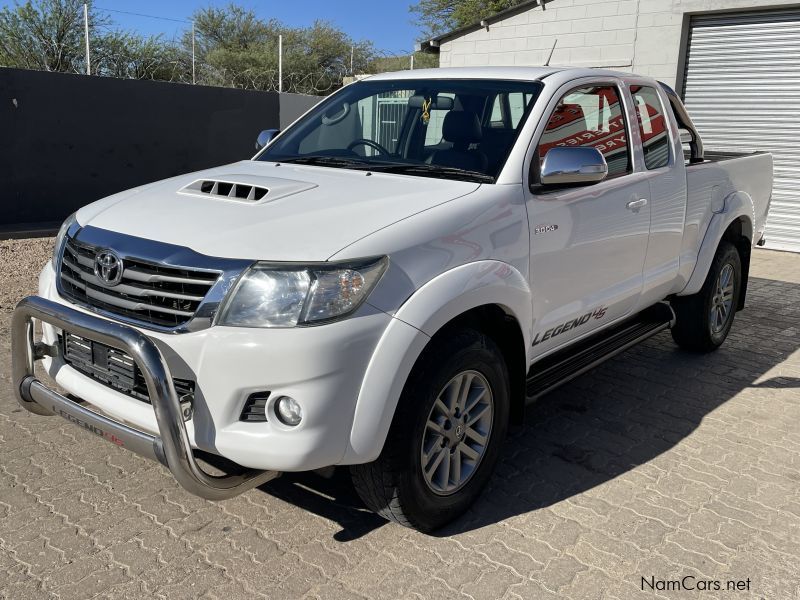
<point x="446" y="435"/>
<point x="704" y="319"/>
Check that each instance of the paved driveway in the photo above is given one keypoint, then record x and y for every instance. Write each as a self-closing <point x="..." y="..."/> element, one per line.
<point x="658" y="465"/>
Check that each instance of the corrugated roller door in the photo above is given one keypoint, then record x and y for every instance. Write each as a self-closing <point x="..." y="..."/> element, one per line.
<point x="742" y="89"/>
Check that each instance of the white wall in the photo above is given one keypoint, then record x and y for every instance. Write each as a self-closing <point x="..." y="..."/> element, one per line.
<point x="643" y="36"/>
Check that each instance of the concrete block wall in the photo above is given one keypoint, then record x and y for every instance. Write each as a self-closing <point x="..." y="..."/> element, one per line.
<point x="643" y="36"/>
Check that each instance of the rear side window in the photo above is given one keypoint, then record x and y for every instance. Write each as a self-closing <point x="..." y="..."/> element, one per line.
<point x="508" y="109"/>
<point x="496" y="119"/>
<point x="652" y="126"/>
<point x="433" y="131"/>
<point x="590" y="116"/>
<point x="518" y="103"/>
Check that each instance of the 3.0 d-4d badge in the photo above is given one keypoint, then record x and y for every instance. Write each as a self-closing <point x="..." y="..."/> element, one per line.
<point x="544" y="229"/>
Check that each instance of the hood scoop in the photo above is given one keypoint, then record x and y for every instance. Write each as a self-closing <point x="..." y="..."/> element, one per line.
<point x="246" y="188"/>
<point x="242" y="191"/>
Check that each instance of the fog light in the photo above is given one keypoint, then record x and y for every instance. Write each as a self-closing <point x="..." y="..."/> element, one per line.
<point x="288" y="411"/>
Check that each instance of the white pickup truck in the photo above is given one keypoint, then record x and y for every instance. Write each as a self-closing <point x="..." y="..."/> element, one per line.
<point x="390" y="280"/>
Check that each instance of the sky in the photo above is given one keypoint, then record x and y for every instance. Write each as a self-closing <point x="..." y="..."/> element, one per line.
<point x="387" y="23"/>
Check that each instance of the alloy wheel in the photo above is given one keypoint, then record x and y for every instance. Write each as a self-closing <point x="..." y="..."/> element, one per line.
<point x="722" y="300"/>
<point x="457" y="432"/>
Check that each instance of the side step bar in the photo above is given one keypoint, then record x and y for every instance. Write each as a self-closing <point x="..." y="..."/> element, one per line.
<point x="563" y="366"/>
<point x="171" y="447"/>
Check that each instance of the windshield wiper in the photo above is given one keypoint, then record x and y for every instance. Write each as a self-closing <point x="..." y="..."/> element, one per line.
<point x="426" y="169"/>
<point x="423" y="169"/>
<point x="328" y="161"/>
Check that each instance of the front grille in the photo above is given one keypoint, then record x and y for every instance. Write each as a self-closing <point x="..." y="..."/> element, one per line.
<point x="111" y="367"/>
<point x="150" y="293"/>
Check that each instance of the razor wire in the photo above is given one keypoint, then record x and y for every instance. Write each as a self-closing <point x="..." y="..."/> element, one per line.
<point x="126" y="54"/>
<point x="174" y="64"/>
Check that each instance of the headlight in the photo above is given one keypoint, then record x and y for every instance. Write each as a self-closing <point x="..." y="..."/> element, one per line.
<point x="62" y="233"/>
<point x="270" y="295"/>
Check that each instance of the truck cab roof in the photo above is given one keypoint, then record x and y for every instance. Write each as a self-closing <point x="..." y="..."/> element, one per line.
<point x="518" y="73"/>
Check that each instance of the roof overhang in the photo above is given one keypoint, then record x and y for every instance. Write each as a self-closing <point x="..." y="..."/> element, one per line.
<point x="432" y="45"/>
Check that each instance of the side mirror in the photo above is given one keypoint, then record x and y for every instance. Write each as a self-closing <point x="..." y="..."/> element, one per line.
<point x="573" y="165"/>
<point x="265" y="137"/>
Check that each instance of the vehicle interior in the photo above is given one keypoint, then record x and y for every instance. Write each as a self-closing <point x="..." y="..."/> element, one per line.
<point x="439" y="127"/>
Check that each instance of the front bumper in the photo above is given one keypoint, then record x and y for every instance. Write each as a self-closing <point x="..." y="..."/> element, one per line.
<point x="171" y="446"/>
<point x="321" y="367"/>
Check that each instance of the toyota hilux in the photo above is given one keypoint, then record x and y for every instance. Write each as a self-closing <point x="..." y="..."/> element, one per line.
<point x="391" y="279"/>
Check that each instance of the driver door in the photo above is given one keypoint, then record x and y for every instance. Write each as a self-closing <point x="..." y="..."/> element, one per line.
<point x="588" y="244"/>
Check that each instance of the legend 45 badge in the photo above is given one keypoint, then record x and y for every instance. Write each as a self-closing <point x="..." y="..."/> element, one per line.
<point x="597" y="313"/>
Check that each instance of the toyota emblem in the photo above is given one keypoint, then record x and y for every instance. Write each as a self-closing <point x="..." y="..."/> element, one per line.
<point x="108" y="268"/>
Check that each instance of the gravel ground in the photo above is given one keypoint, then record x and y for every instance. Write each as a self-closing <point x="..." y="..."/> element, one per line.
<point x="657" y="466"/>
<point x="20" y="263"/>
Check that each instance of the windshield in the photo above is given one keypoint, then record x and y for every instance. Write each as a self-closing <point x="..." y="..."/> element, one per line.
<point x="460" y="129"/>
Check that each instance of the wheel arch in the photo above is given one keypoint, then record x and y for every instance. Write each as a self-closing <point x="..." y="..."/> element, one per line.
<point x="735" y="223"/>
<point x="740" y="234"/>
<point x="495" y="322"/>
<point x="491" y="296"/>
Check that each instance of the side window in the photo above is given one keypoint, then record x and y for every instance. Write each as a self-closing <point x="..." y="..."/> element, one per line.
<point x="433" y="130"/>
<point x="496" y="116"/>
<point x="508" y="109"/>
<point x="590" y="116"/>
<point x="375" y="118"/>
<point x="517" y="105"/>
<point x="652" y="126"/>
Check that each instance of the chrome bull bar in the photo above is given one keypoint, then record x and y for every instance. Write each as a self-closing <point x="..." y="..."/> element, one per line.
<point x="171" y="447"/>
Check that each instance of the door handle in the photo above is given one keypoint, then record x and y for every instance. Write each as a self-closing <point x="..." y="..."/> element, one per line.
<point x="636" y="204"/>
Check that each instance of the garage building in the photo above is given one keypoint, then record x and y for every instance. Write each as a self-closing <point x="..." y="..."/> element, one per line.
<point x="736" y="63"/>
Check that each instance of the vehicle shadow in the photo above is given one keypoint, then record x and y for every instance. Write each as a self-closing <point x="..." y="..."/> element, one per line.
<point x="331" y="496"/>
<point x="632" y="409"/>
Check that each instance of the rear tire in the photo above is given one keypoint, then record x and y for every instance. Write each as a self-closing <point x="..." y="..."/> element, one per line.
<point x="433" y="464"/>
<point x="704" y="319"/>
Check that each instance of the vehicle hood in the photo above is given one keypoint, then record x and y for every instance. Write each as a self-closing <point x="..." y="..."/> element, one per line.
<point x="309" y="213"/>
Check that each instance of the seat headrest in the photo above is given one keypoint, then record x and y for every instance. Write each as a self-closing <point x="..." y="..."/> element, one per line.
<point x="461" y="127"/>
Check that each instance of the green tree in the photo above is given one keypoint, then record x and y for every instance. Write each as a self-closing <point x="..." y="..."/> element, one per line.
<point x="129" y="56"/>
<point x="422" y="60"/>
<point x="231" y="28"/>
<point x="439" y="16"/>
<point x="235" y="48"/>
<point x="319" y="56"/>
<point x="47" y="35"/>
